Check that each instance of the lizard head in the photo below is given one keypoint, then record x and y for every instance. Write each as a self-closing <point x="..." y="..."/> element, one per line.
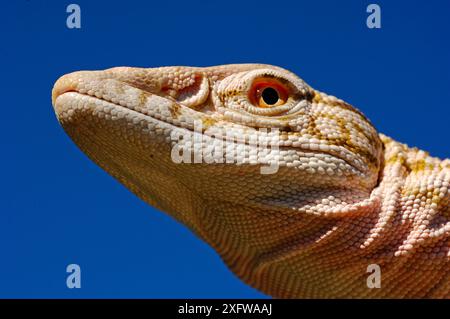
<point x="180" y="136"/>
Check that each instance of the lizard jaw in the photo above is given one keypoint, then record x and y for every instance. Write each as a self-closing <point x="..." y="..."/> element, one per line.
<point x="86" y="90"/>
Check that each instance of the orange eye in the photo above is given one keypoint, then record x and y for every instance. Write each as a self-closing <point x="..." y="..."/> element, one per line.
<point x="268" y="94"/>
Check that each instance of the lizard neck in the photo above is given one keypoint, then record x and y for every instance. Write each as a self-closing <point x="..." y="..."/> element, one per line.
<point x="283" y="251"/>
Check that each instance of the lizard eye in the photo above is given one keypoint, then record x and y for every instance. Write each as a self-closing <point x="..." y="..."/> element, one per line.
<point x="268" y="94"/>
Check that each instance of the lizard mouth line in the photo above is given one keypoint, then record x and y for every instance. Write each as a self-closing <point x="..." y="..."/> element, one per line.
<point x="154" y="117"/>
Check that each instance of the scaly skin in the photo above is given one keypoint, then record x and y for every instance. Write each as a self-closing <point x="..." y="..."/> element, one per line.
<point x="344" y="197"/>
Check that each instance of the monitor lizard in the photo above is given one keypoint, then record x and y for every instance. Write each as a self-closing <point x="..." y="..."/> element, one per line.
<point x="337" y="197"/>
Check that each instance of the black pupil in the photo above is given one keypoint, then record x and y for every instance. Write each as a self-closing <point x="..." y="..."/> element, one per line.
<point x="270" y="96"/>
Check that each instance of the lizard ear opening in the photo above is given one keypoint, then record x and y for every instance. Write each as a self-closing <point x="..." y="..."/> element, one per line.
<point x="196" y="93"/>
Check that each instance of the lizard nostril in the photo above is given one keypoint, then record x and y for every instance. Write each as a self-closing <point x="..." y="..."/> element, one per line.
<point x="195" y="94"/>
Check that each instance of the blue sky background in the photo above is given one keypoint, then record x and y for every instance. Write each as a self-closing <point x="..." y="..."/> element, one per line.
<point x="58" y="208"/>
